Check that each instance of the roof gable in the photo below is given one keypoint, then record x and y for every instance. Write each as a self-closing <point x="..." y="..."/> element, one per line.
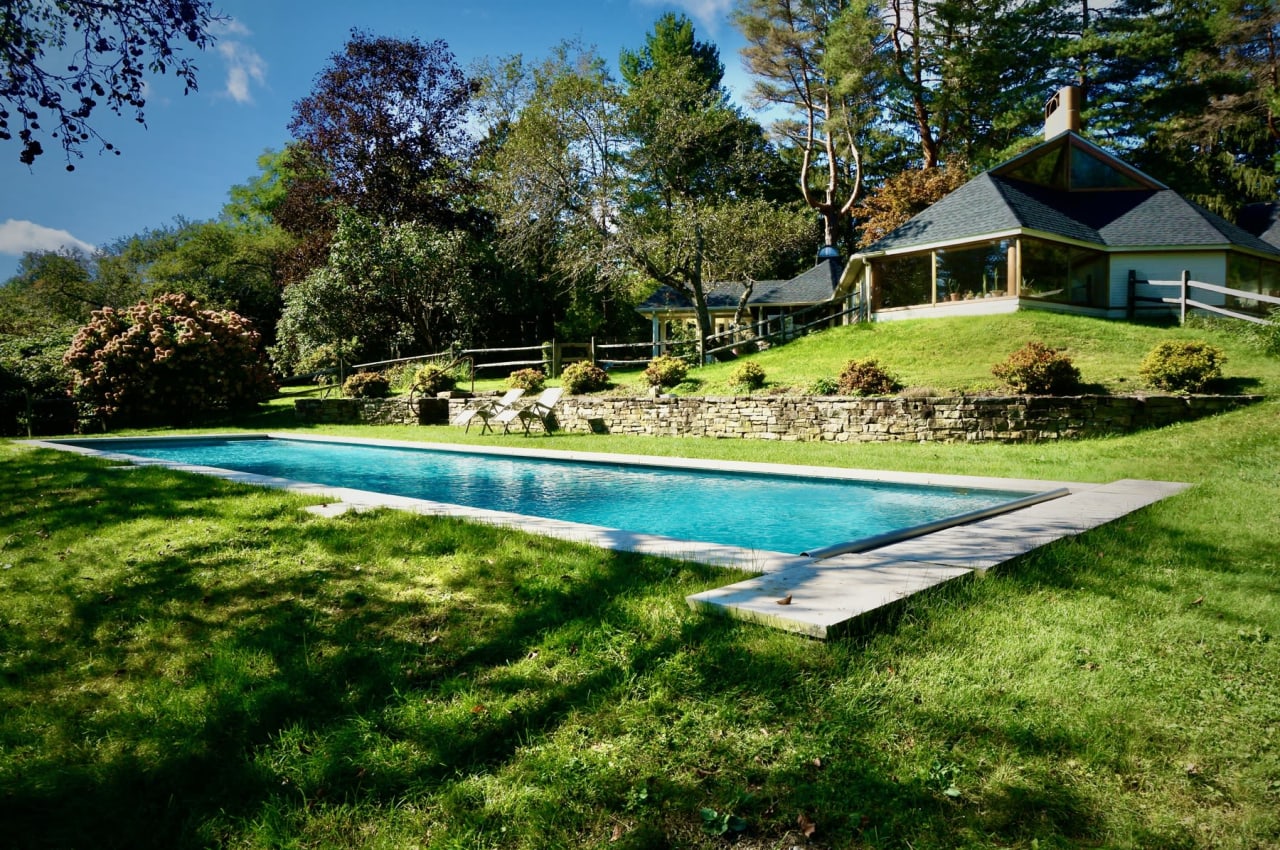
<point x="1071" y="163"/>
<point x="1135" y="218"/>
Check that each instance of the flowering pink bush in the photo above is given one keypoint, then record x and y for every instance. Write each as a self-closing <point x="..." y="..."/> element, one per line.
<point x="167" y="361"/>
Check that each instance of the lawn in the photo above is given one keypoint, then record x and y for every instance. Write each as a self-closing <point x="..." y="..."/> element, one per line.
<point x="191" y="663"/>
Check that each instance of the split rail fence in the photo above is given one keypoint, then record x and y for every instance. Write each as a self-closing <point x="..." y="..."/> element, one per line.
<point x="553" y="356"/>
<point x="1184" y="300"/>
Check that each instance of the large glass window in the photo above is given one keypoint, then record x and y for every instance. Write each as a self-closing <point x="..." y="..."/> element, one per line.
<point x="1089" y="172"/>
<point x="973" y="271"/>
<point x="902" y="281"/>
<point x="1063" y="274"/>
<point x="1251" y="274"/>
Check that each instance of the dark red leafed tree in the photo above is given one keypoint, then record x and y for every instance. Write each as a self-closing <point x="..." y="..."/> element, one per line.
<point x="386" y="121"/>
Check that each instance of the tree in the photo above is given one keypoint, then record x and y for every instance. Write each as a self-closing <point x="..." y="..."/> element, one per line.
<point x="386" y="290"/>
<point x="899" y="198"/>
<point x="386" y="123"/>
<point x="553" y="170"/>
<point x="109" y="49"/>
<point x="53" y="289"/>
<point x="820" y="59"/>
<point x="696" y="169"/>
<point x="1190" y="91"/>
<point x="224" y="265"/>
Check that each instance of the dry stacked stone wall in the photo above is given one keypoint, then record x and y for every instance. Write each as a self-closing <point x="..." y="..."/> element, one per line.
<point x="1006" y="419"/>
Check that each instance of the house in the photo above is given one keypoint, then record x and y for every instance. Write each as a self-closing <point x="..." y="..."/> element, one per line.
<point x="1063" y="226"/>
<point x="772" y="305"/>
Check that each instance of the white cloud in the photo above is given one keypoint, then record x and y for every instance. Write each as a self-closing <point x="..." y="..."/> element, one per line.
<point x="245" y="66"/>
<point x="228" y="27"/>
<point x="18" y="237"/>
<point x="709" y="13"/>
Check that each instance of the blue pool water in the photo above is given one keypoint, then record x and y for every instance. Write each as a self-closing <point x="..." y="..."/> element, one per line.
<point x="780" y="513"/>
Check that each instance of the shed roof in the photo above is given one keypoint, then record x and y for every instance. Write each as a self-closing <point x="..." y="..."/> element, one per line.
<point x="812" y="286"/>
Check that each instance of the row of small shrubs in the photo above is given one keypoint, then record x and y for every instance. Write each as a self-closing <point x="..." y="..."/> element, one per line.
<point x="1172" y="366"/>
<point x="1034" y="369"/>
<point x="576" y="378"/>
<point x="1037" y="369"/>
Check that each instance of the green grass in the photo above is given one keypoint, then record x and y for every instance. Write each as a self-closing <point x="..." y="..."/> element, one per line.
<point x="189" y="663"/>
<point x="959" y="358"/>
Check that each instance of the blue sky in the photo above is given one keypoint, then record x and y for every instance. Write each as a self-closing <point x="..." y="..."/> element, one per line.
<point x="196" y="147"/>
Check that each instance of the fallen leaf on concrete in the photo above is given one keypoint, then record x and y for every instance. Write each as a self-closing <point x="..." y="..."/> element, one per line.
<point x="786" y="600"/>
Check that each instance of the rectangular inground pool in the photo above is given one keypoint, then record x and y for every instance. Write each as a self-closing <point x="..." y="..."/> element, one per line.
<point x="780" y="509"/>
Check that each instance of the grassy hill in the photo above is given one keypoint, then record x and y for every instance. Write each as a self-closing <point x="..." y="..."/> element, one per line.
<point x="951" y="355"/>
<point x="192" y="663"/>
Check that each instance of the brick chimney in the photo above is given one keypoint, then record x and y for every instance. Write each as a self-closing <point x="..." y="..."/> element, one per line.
<point x="1062" y="112"/>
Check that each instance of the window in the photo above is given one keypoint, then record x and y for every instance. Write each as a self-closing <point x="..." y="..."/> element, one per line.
<point x="1063" y="274"/>
<point x="902" y="281"/>
<point x="973" y="271"/>
<point x="1251" y="274"/>
<point x="1089" y="172"/>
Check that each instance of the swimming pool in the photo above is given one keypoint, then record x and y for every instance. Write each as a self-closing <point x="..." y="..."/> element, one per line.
<point x="783" y="510"/>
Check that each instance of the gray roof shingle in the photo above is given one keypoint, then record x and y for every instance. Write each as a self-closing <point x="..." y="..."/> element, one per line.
<point x="812" y="286"/>
<point x="1134" y="218"/>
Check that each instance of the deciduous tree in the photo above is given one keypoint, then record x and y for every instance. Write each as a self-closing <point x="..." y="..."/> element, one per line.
<point x="822" y="61"/>
<point x="59" y="61"/>
<point x="386" y="123"/>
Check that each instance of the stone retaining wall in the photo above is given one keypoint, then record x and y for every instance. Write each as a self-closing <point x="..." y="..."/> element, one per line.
<point x="372" y="411"/>
<point x="1006" y="419"/>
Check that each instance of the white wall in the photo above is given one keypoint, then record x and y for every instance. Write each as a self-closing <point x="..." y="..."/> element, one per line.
<point x="1204" y="266"/>
<point x="976" y="307"/>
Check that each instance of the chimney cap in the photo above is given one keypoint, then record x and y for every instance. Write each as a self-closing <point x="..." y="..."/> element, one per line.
<point x="1062" y="111"/>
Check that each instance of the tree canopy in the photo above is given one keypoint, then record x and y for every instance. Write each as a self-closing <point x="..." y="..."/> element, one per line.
<point x="59" y="61"/>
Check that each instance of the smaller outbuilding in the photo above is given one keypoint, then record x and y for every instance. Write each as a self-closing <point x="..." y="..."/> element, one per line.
<point x="772" y="306"/>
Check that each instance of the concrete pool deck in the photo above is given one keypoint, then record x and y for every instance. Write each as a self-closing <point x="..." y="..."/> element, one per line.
<point x="823" y="596"/>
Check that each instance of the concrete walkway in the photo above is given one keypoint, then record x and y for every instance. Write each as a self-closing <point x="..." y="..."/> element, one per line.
<point x="824" y="597"/>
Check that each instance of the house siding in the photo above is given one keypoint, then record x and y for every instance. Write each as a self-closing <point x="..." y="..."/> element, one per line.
<point x="1204" y="266"/>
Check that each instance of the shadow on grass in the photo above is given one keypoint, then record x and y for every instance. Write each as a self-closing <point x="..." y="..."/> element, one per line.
<point x="220" y="660"/>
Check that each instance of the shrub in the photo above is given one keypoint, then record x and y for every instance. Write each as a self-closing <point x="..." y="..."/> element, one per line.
<point x="824" y="386"/>
<point x="367" y="385"/>
<point x="1037" y="369"/>
<point x="431" y="380"/>
<point x="529" y="380"/>
<point x="583" y="377"/>
<point x="1182" y="367"/>
<point x="866" y="377"/>
<point x="749" y="376"/>
<point x="166" y="361"/>
<point x="665" y="371"/>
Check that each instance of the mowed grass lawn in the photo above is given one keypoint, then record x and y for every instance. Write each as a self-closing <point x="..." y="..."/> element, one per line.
<point x="190" y="663"/>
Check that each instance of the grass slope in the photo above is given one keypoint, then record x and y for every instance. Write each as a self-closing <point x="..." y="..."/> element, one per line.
<point x="190" y="663"/>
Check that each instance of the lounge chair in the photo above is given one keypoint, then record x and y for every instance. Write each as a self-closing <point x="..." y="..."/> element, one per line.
<point x="487" y="410"/>
<point x="539" y="411"/>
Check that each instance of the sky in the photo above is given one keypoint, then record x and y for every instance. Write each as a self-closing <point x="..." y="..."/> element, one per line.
<point x="267" y="55"/>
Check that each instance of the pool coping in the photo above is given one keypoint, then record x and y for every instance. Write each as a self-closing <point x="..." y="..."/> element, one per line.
<point x="791" y="592"/>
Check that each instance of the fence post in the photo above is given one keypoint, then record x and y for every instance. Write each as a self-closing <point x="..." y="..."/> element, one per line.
<point x="1133" y="292"/>
<point x="555" y="359"/>
<point x="591" y="353"/>
<point x="1182" y="297"/>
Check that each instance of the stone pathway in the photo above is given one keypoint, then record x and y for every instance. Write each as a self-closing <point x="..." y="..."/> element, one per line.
<point x="824" y="597"/>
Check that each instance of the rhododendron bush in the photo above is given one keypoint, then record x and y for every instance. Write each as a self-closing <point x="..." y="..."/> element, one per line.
<point x="167" y="361"/>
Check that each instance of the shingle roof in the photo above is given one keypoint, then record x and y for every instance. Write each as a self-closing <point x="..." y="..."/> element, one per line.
<point x="812" y="286"/>
<point x="1263" y="221"/>
<point x="1136" y="218"/>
